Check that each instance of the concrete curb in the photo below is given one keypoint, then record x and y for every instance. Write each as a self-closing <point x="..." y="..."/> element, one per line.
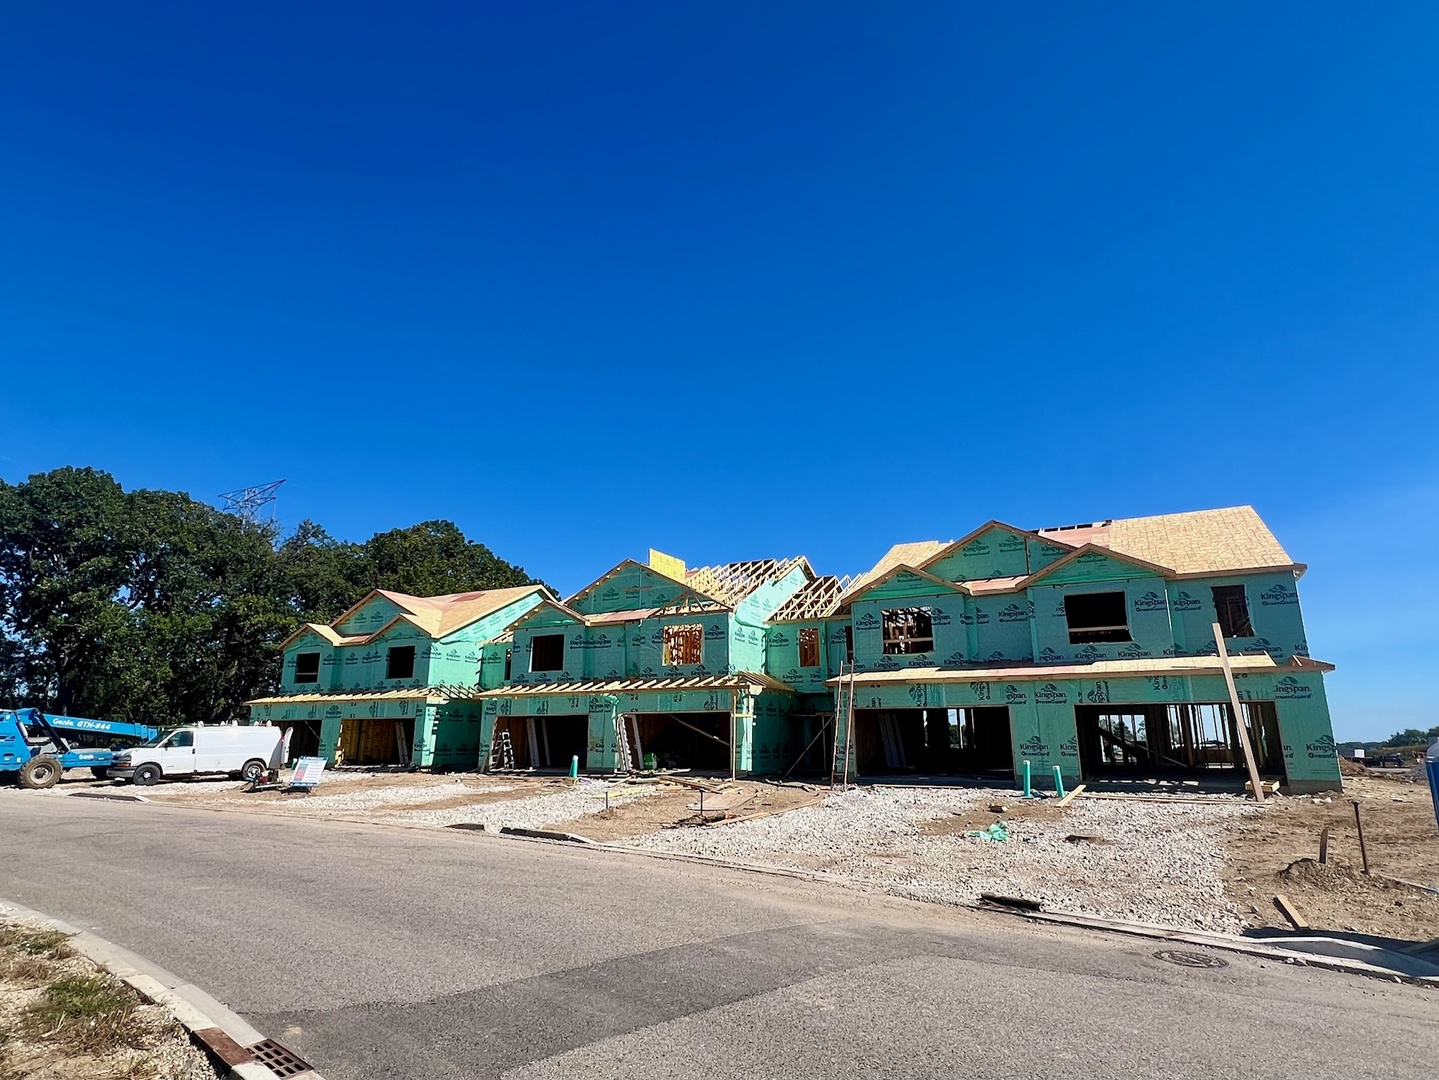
<point x="211" y="1024"/>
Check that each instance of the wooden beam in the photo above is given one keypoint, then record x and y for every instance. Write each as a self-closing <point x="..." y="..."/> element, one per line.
<point x="1072" y="793"/>
<point x="1291" y="912"/>
<point x="1239" y="723"/>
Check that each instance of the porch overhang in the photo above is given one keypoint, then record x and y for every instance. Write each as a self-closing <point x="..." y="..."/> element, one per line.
<point x="1105" y="669"/>
<point x="752" y="682"/>
<point x="424" y="695"/>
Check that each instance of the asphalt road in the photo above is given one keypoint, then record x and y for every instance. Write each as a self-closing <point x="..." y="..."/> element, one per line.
<point x="392" y="952"/>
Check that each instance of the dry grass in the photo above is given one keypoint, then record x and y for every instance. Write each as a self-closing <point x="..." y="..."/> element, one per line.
<point x="63" y="1018"/>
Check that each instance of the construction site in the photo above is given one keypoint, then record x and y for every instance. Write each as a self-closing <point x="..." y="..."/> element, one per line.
<point x="1123" y="651"/>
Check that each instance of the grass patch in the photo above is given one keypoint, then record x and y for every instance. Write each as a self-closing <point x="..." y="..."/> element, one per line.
<point x="78" y="997"/>
<point x="47" y="943"/>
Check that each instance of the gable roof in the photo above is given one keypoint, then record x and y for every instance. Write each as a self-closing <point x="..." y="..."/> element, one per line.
<point x="1189" y="544"/>
<point x="911" y="554"/>
<point x="950" y="548"/>
<point x="1085" y="549"/>
<point x="854" y="593"/>
<point x="436" y="616"/>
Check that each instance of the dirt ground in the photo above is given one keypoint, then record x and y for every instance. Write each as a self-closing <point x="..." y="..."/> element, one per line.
<point x="1277" y="852"/>
<point x="671" y="805"/>
<point x="63" y="1018"/>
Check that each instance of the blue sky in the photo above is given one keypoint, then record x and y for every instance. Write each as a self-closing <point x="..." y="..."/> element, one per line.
<point x="748" y="279"/>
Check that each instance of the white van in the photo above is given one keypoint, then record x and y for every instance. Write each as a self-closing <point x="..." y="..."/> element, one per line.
<point x="244" y="752"/>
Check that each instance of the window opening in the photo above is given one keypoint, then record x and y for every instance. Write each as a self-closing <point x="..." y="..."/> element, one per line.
<point x="809" y="647"/>
<point x="401" y="663"/>
<point x="907" y="630"/>
<point x="1231" y="604"/>
<point x="683" y="644"/>
<point x="547" y="652"/>
<point x="1096" y="617"/>
<point x="307" y="667"/>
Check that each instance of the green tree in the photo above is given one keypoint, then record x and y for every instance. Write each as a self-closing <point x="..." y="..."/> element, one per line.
<point x="150" y="605"/>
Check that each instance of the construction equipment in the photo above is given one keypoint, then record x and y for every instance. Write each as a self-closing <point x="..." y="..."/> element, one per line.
<point x="38" y="747"/>
<point x="502" y="754"/>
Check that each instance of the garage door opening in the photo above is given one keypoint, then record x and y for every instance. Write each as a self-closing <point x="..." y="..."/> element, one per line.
<point x="299" y="740"/>
<point x="1169" y="740"/>
<point x="934" y="741"/>
<point x="680" y="740"/>
<point x="376" y="742"/>
<point x="540" y="743"/>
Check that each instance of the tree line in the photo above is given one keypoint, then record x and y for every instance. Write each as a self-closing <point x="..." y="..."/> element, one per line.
<point x="152" y="606"/>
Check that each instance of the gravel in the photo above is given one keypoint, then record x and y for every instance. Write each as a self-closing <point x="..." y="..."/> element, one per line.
<point x="1161" y="865"/>
<point x="531" y="812"/>
<point x="402" y="795"/>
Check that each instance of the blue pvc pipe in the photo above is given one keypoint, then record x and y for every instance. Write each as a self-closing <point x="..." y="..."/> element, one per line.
<point x="1058" y="782"/>
<point x="1027" y="792"/>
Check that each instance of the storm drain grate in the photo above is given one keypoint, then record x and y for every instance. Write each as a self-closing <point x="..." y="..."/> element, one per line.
<point x="278" y="1059"/>
<point x="1190" y="959"/>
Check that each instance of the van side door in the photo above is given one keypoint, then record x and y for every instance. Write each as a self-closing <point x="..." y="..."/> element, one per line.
<point x="177" y="756"/>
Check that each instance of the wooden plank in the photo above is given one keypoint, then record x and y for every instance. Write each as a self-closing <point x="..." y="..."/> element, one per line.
<point x="1291" y="912"/>
<point x="1239" y="723"/>
<point x="1070" y="797"/>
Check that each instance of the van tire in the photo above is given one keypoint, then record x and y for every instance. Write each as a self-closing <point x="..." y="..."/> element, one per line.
<point x="146" y="775"/>
<point x="253" y="770"/>
<point x="40" y="772"/>
<point x="99" y="772"/>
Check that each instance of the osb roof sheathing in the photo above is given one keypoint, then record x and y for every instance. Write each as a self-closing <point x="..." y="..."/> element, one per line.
<point x="1192" y="543"/>
<point x="911" y="554"/>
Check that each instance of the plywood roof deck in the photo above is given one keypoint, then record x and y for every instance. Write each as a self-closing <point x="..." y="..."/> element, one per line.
<point x="1192" y="543"/>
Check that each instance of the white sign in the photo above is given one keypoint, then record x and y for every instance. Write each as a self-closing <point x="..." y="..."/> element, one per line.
<point x="308" y="771"/>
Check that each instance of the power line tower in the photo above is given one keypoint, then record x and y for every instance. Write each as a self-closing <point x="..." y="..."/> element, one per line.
<point x="248" y="502"/>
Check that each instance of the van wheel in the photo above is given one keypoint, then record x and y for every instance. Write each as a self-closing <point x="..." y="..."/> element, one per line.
<point x="253" y="770"/>
<point x="40" y="772"/>
<point x="146" y="775"/>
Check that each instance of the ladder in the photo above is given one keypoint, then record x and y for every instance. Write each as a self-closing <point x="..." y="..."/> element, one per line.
<point x="842" y="765"/>
<point x="502" y="754"/>
<point x="622" y="744"/>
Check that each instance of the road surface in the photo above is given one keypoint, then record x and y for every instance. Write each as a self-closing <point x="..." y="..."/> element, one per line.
<point x="402" y="953"/>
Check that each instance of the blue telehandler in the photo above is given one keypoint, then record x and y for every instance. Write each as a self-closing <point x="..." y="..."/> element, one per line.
<point x="36" y="747"/>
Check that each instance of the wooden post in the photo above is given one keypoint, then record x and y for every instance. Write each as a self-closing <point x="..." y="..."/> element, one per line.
<point x="1363" y="851"/>
<point x="1239" y="723"/>
<point x="1324" y="845"/>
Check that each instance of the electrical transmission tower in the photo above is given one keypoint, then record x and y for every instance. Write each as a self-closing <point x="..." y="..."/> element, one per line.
<point x="248" y="502"/>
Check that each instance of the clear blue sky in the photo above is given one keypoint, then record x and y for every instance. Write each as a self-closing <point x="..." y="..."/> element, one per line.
<point x="739" y="280"/>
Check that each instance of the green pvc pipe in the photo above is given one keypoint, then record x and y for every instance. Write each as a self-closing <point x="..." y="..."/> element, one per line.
<point x="1058" y="782"/>
<point x="574" y="767"/>
<point x="1027" y="792"/>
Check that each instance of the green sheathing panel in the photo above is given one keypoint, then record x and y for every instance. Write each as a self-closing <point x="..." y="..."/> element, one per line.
<point x="454" y="741"/>
<point x="546" y="623"/>
<point x="1095" y="566"/>
<point x="1310" y="763"/>
<point x="777" y="738"/>
<point x="1041" y="554"/>
<point x="492" y="664"/>
<point x="363" y="667"/>
<point x="759" y="605"/>
<point x="456" y="657"/>
<point x="947" y="615"/>
<point x="331" y="713"/>
<point x="996" y="552"/>
<point x="631" y="588"/>
<point x="1273" y="610"/>
<point x="307" y="642"/>
<point x="375" y="614"/>
<point x="998" y="628"/>
<point x="1043" y="731"/>
<point x="1148" y="616"/>
<point x="746" y="647"/>
<point x="781" y="655"/>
